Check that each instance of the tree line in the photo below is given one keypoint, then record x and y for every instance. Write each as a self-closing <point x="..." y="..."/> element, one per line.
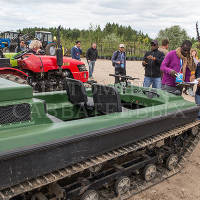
<point x="109" y="37"/>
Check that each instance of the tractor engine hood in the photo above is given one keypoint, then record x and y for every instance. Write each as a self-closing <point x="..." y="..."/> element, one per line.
<point x="45" y="63"/>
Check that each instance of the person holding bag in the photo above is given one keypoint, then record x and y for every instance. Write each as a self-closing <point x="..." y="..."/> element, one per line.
<point x="178" y="67"/>
<point x="119" y="62"/>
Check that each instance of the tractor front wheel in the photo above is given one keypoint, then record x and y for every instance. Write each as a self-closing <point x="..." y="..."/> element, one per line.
<point x="6" y="50"/>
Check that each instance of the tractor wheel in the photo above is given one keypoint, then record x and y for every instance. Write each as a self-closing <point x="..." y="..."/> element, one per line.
<point x="51" y="49"/>
<point x="6" y="50"/>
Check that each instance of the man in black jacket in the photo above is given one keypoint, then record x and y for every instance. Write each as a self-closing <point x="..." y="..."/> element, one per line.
<point x="152" y="61"/>
<point x="91" y="57"/>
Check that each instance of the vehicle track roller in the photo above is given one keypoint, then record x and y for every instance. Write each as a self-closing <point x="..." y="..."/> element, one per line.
<point x="122" y="185"/>
<point x="195" y="130"/>
<point x="149" y="172"/>
<point x="90" y="195"/>
<point x="172" y="162"/>
<point x="39" y="196"/>
<point x="95" y="169"/>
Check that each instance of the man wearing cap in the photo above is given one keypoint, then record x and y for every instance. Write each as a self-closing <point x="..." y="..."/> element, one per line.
<point x="119" y="62"/>
<point x="151" y="62"/>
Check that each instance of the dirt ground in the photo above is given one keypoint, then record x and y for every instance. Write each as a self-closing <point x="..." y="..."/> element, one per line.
<point x="183" y="186"/>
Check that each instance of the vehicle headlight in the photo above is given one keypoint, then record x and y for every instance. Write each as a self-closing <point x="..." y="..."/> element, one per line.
<point x="82" y="68"/>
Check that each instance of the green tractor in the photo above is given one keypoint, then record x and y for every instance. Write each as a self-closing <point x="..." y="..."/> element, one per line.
<point x="103" y="142"/>
<point x="47" y="42"/>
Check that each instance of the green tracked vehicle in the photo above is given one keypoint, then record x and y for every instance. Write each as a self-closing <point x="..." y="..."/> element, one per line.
<point x="103" y="142"/>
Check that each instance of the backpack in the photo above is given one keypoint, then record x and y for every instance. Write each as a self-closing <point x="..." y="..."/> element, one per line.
<point x="113" y="64"/>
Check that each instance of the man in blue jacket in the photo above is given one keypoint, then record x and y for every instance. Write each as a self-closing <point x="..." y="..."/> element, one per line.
<point x="76" y="51"/>
<point x="119" y="62"/>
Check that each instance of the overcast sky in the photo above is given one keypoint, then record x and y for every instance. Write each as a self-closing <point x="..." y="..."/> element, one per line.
<point x="147" y="15"/>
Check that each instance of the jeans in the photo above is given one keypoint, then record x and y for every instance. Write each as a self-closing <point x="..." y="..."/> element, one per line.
<point x="91" y="68"/>
<point x="155" y="82"/>
<point x="197" y="100"/>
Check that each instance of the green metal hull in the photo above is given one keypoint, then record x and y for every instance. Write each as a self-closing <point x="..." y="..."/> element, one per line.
<point x="41" y="129"/>
<point x="47" y="145"/>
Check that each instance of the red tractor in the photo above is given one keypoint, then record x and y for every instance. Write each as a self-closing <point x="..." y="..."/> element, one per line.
<point x="43" y="72"/>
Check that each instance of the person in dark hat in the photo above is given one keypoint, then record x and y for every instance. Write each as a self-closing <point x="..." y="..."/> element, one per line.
<point x="151" y="62"/>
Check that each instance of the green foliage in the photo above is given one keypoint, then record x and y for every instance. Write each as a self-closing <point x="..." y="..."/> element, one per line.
<point x="107" y="38"/>
<point x="175" y="34"/>
<point x="196" y="46"/>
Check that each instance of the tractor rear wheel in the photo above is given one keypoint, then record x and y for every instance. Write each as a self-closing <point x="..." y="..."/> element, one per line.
<point x="51" y="49"/>
<point x="6" y="50"/>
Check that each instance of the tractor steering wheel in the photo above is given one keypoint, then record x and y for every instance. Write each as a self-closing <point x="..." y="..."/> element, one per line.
<point x="19" y="55"/>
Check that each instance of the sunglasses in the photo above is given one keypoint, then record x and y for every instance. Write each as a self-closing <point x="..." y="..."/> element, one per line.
<point x="186" y="50"/>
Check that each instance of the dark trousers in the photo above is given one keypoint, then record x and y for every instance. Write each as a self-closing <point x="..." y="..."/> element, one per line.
<point x="174" y="90"/>
<point x="119" y="71"/>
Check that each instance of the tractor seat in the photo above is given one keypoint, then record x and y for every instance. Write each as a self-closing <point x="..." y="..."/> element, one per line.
<point x="107" y="99"/>
<point x="77" y="94"/>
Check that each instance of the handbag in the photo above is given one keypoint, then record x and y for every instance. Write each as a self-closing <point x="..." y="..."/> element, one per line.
<point x="179" y="77"/>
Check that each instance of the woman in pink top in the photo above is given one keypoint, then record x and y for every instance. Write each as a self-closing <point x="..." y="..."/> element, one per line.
<point x="177" y="61"/>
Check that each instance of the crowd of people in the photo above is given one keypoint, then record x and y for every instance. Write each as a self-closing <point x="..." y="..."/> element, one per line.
<point x="174" y="71"/>
<point x="163" y="70"/>
<point x="34" y="47"/>
<point x="91" y="55"/>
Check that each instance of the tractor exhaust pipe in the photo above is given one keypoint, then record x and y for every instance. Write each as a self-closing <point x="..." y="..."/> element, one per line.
<point x="59" y="52"/>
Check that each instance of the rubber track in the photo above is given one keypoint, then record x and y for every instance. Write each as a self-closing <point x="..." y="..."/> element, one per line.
<point x="14" y="78"/>
<point x="39" y="182"/>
